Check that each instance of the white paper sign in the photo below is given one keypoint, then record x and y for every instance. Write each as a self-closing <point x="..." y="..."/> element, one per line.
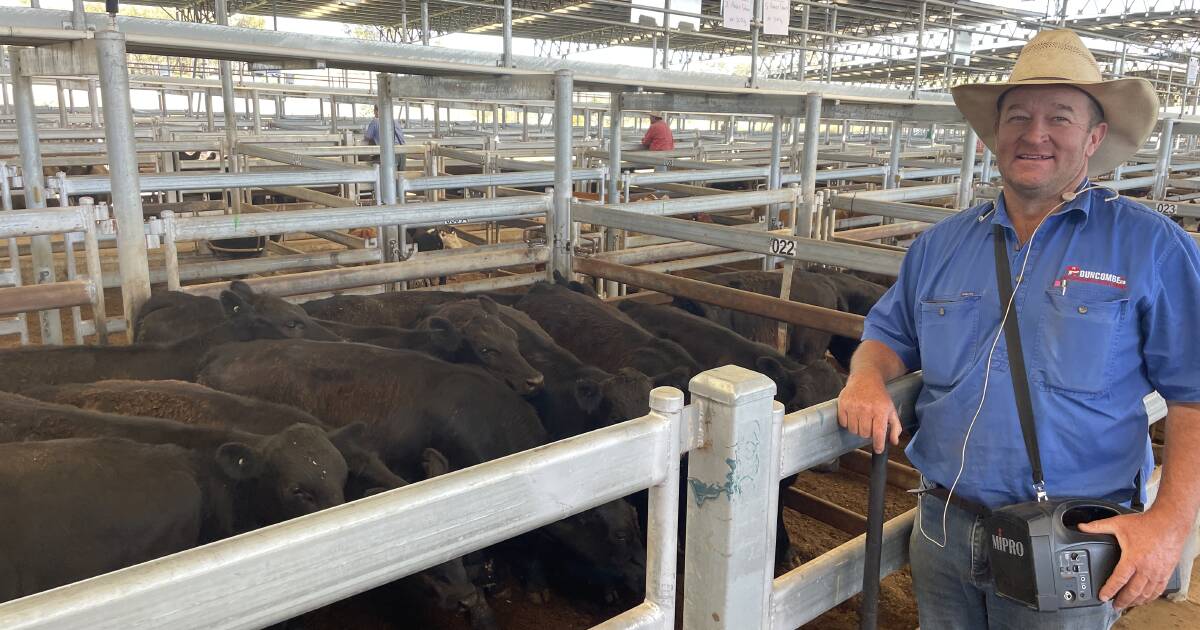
<point x="737" y="14"/>
<point x="776" y="15"/>
<point x="1191" y="70"/>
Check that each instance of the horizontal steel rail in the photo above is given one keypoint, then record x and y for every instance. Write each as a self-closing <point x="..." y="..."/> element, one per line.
<point x="320" y="219"/>
<point x="895" y="209"/>
<point x="40" y="297"/>
<point x="710" y="203"/>
<point x="835" y="174"/>
<point x="677" y="177"/>
<point x="481" y="180"/>
<point x="93" y="184"/>
<point x="330" y="555"/>
<point x="18" y="223"/>
<point x="768" y="243"/>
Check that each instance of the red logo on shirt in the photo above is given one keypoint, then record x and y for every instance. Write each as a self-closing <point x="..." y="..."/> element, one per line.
<point x="1075" y="274"/>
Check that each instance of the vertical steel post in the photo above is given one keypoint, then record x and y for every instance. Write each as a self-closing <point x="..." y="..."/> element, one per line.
<point x="208" y="111"/>
<point x="666" y="56"/>
<point x="833" y="15"/>
<point x="94" y="102"/>
<point x="967" y="172"/>
<point x="1162" y="169"/>
<point x="437" y="119"/>
<point x="424" y="22"/>
<point x="662" y="531"/>
<point x="389" y="234"/>
<point x="35" y="193"/>
<point x="808" y="182"/>
<point x="170" y="250"/>
<point x="256" y="108"/>
<point x="773" y="170"/>
<point x="63" y="121"/>
<point x="559" y="228"/>
<point x="800" y="71"/>
<point x="229" y="105"/>
<point x="755" y="27"/>
<point x="507" y="59"/>
<point x="91" y="247"/>
<point x="985" y="172"/>
<point x="892" y="180"/>
<point x="732" y="495"/>
<point x="524" y="123"/>
<point x="122" y="159"/>
<point x="5" y="106"/>
<point x="920" y="42"/>
<point x="612" y="235"/>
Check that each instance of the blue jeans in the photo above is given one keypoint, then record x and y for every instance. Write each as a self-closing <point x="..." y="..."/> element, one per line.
<point x="954" y="587"/>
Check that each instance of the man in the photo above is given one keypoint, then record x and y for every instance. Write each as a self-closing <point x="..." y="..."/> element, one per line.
<point x="371" y="135"/>
<point x="1103" y="304"/>
<point x="658" y="137"/>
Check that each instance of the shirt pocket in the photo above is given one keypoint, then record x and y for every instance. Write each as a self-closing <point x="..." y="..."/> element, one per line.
<point x="1076" y="340"/>
<point x="949" y="338"/>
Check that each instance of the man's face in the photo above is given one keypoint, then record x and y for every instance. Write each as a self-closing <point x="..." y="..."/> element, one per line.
<point x="1043" y="140"/>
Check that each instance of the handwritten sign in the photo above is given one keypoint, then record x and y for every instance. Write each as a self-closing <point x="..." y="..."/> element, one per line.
<point x="776" y="15"/>
<point x="737" y="14"/>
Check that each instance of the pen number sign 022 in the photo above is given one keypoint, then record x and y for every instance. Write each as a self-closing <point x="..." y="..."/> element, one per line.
<point x="783" y="247"/>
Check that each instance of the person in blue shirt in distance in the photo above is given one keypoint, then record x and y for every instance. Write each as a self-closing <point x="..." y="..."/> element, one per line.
<point x="371" y="135"/>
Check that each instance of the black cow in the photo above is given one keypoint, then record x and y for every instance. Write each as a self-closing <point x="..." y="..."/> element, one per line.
<point x="713" y="345"/>
<point x="77" y="508"/>
<point x="198" y="405"/>
<point x="859" y="296"/>
<point x="806" y="344"/>
<point x="403" y="308"/>
<point x="603" y="336"/>
<point x="409" y="401"/>
<point x="174" y="315"/>
<point x="576" y="398"/>
<point x="21" y="368"/>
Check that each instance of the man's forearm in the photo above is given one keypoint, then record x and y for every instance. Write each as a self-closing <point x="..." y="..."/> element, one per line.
<point x="875" y="358"/>
<point x="1179" y="493"/>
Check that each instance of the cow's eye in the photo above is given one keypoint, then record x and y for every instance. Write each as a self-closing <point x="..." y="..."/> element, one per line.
<point x="302" y="494"/>
<point x="295" y="324"/>
<point x="486" y="351"/>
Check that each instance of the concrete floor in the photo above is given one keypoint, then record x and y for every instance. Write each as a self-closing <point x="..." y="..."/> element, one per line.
<point x="1167" y="615"/>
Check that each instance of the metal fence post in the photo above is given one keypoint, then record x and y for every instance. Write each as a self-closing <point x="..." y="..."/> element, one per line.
<point x="967" y="174"/>
<point x="126" y="198"/>
<point x="732" y="486"/>
<point x="35" y="192"/>
<point x="559" y="227"/>
<point x="662" y="533"/>
<point x="1162" y="170"/>
<point x="808" y="183"/>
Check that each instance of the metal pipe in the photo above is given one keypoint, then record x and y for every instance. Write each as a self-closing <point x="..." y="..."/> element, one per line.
<point x="673" y="177"/>
<point x="483" y="180"/>
<point x="666" y="48"/>
<point x="967" y="169"/>
<point x="229" y="107"/>
<point x="390" y="232"/>
<point x="773" y="181"/>
<point x="893" y="166"/>
<point x="256" y="108"/>
<point x="507" y="58"/>
<point x="35" y="193"/>
<point x="798" y="313"/>
<point x="36" y="297"/>
<point x="126" y="198"/>
<point x="920" y="43"/>
<point x="215" y="181"/>
<point x="91" y="246"/>
<point x="710" y="203"/>
<point x="869" y="612"/>
<point x="559" y="227"/>
<point x="425" y="30"/>
<point x="755" y="27"/>
<point x="1166" y="139"/>
<point x="808" y="182"/>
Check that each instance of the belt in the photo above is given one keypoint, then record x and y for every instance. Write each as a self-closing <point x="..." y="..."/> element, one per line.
<point x="977" y="509"/>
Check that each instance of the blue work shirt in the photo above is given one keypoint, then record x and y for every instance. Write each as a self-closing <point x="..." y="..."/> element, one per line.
<point x="1106" y="310"/>
<point x="371" y="135"/>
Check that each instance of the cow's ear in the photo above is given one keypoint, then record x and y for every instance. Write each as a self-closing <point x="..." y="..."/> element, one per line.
<point x="771" y="368"/>
<point x="559" y="279"/>
<point x="588" y="394"/>
<point x="354" y="433"/>
<point x="434" y="463"/>
<point x="234" y="304"/>
<point x="677" y="378"/>
<point x="445" y="335"/>
<point x="489" y="306"/>
<point x="238" y="461"/>
<point x="242" y="289"/>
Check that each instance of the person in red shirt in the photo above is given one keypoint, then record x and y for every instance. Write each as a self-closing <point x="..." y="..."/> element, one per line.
<point x="658" y="137"/>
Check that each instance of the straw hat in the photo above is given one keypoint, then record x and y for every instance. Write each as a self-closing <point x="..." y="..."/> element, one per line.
<point x="1059" y="57"/>
<point x="657" y="115"/>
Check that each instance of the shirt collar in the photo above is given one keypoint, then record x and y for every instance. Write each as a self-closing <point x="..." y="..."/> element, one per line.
<point x="1081" y="203"/>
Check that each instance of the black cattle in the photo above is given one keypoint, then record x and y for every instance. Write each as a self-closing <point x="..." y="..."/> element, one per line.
<point x="409" y="401"/>
<point x="576" y="398"/>
<point x="294" y="472"/>
<point x="21" y="368"/>
<point x="806" y="345"/>
<point x="174" y="315"/>
<point x="603" y="336"/>
<point x="198" y="405"/>
<point x="483" y="338"/>
<point x="713" y="345"/>
<point x="403" y="308"/>
<point x="859" y="296"/>
<point x="77" y="508"/>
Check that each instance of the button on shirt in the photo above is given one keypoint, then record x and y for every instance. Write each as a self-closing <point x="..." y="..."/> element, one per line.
<point x="371" y="134"/>
<point x="1106" y="310"/>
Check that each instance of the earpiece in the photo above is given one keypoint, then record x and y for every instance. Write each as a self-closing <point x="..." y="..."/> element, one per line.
<point x="1068" y="196"/>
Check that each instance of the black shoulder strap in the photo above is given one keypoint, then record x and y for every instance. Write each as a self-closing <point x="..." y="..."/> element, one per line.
<point x="1016" y="361"/>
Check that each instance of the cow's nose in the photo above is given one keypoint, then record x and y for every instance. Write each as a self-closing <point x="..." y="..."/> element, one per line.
<point x="534" y="384"/>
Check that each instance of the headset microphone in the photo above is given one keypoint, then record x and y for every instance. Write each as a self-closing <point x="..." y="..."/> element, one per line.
<point x="1068" y="196"/>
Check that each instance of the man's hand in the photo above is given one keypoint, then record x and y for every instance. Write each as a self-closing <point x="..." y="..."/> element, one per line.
<point x="866" y="409"/>
<point x="1151" y="544"/>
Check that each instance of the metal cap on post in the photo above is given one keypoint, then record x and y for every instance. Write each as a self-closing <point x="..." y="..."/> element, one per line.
<point x="558" y="228"/>
<point x="122" y="158"/>
<point x="732" y="487"/>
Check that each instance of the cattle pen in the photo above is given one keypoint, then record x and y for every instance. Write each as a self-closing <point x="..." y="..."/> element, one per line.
<point x="515" y="173"/>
